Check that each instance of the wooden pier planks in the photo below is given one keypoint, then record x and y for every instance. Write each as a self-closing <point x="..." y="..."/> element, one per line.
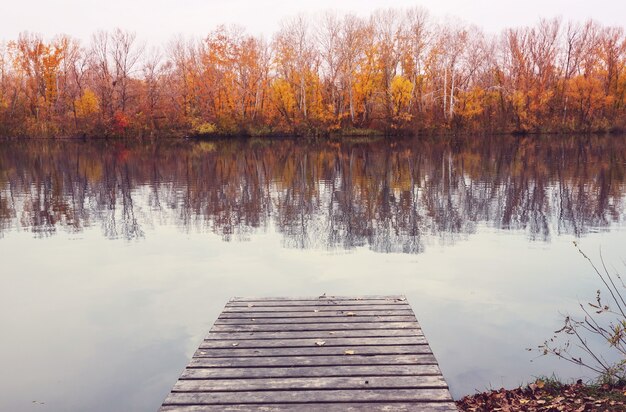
<point x="306" y="354"/>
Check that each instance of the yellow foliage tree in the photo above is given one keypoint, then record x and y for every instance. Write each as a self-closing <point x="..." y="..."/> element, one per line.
<point x="368" y="80"/>
<point x="471" y="103"/>
<point x="86" y="104"/>
<point x="284" y="101"/>
<point x="401" y="93"/>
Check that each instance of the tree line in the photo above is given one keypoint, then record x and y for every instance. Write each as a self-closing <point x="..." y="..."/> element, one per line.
<point x="394" y="72"/>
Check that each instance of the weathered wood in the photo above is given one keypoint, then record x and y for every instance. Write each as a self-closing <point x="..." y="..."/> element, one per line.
<point x="376" y="382"/>
<point x="327" y="334"/>
<point x="313" y="407"/>
<point x="308" y="371"/>
<point x="314" y="327"/>
<point x="317" y="298"/>
<point x="320" y="302"/>
<point x="301" y="396"/>
<point x="321" y="308"/>
<point x="307" y="354"/>
<point x="356" y="359"/>
<point x="311" y="314"/>
<point x="303" y="321"/>
<point x="299" y="343"/>
<point x="313" y="350"/>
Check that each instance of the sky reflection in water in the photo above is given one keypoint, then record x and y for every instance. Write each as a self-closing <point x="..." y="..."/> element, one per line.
<point x="118" y="257"/>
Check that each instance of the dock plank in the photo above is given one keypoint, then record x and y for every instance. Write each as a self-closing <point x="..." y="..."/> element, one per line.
<point x="304" y="343"/>
<point x="323" y="334"/>
<point x="331" y="353"/>
<point x="312" y="395"/>
<point x="317" y="298"/>
<point x="313" y="350"/>
<point x="324" y="319"/>
<point x="313" y="307"/>
<point x="318" y="302"/>
<point x="376" y="382"/>
<point x="309" y="371"/>
<point x="313" y="314"/>
<point x="295" y="327"/>
<point x="356" y="359"/>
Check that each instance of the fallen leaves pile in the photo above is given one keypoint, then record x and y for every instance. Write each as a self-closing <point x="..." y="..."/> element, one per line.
<point x="549" y="397"/>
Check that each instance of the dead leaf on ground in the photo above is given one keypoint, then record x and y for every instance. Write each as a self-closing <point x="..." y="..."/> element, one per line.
<point x="541" y="396"/>
<point x="349" y="352"/>
<point x="320" y="343"/>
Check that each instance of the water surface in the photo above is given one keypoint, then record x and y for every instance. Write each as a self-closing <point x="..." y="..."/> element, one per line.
<point x="117" y="257"/>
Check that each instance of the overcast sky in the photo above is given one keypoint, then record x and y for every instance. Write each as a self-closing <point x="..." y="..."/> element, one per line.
<point x="158" y="20"/>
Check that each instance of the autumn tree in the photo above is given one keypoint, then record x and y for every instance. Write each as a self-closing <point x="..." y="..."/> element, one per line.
<point x="612" y="61"/>
<point x="6" y="101"/>
<point x="183" y="80"/>
<point x="416" y="40"/>
<point x="114" y="60"/>
<point x="329" y="40"/>
<point x="296" y="66"/>
<point x="151" y="107"/>
<point x="388" y="34"/>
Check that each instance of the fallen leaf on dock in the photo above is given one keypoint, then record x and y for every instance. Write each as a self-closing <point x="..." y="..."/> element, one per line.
<point x="320" y="343"/>
<point x="350" y="314"/>
<point x="349" y="352"/>
<point x="250" y="305"/>
<point x="235" y="344"/>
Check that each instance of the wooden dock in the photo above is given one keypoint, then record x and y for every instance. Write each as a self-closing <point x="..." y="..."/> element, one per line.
<point x="307" y="354"/>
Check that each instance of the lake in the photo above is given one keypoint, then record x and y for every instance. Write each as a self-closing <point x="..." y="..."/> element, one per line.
<point x="116" y="257"/>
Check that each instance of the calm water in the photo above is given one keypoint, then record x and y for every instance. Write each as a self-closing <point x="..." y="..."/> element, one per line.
<point x="116" y="258"/>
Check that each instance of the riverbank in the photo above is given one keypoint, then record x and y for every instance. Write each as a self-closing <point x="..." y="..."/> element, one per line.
<point x="342" y="135"/>
<point x="549" y="395"/>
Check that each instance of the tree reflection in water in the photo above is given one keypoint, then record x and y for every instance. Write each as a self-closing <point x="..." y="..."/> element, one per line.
<point x="391" y="196"/>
